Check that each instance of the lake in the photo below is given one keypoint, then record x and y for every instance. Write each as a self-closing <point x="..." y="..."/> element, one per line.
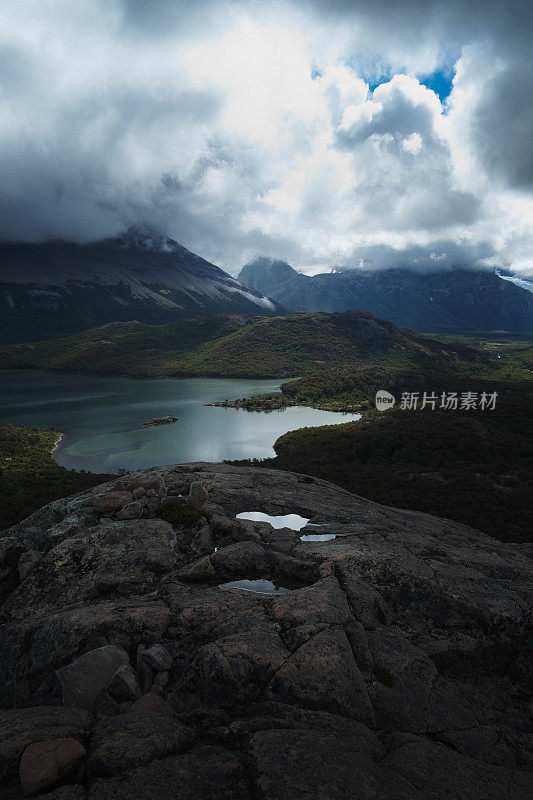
<point x="102" y="418"/>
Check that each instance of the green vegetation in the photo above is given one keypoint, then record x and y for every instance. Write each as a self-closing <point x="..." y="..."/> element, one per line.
<point x="180" y="514"/>
<point x="264" y="402"/>
<point x="29" y="476"/>
<point x="254" y="347"/>
<point x="473" y="467"/>
<point x="470" y="466"/>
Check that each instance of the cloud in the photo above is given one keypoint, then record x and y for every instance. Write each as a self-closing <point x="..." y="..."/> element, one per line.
<point x="245" y="127"/>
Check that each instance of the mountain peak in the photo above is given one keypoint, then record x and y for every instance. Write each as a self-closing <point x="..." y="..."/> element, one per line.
<point x="265" y="271"/>
<point x="146" y="237"/>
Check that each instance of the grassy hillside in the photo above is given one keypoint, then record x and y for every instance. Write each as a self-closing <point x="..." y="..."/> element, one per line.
<point x="236" y="346"/>
<point x="29" y="477"/>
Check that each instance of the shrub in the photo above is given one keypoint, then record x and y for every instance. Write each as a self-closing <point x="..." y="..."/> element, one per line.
<point x="180" y="514"/>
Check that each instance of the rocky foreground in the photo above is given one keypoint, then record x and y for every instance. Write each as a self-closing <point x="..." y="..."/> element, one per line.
<point x="394" y="668"/>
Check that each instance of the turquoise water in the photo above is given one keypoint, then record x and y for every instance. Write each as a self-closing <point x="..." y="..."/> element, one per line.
<point x="102" y="418"/>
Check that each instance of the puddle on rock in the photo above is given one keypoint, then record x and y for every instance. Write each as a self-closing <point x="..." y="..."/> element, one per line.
<point x="292" y="521"/>
<point x="261" y="586"/>
<point x="318" y="537"/>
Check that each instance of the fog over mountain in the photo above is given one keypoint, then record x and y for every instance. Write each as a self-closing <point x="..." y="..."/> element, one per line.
<point x="349" y="133"/>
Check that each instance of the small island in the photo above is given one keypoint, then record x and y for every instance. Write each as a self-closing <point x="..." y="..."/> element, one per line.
<point x="161" y="421"/>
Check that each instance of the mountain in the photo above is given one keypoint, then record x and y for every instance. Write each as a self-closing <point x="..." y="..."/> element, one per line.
<point x="57" y="288"/>
<point x="453" y="301"/>
<point x="237" y="346"/>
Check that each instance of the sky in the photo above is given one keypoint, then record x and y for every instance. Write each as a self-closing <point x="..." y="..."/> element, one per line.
<point x="325" y="133"/>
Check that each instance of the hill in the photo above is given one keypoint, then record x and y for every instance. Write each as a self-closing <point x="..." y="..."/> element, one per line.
<point x="240" y="346"/>
<point x="453" y="301"/>
<point x="57" y="288"/>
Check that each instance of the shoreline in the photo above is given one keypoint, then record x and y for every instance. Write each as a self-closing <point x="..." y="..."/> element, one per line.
<point x="57" y="443"/>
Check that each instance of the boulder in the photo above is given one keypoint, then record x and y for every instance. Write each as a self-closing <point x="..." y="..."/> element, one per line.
<point x="133" y="510"/>
<point x="150" y="703"/>
<point x="240" y="560"/>
<point x="110" y="502"/>
<point x="82" y="680"/>
<point x="203" y="541"/>
<point x="20" y="727"/>
<point x="145" y="673"/>
<point x="46" y="762"/>
<point x="148" y="482"/>
<point x="197" y="495"/>
<point x="123" y="684"/>
<point x="157" y="657"/>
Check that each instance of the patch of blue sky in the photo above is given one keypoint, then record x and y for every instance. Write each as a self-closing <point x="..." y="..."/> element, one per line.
<point x="440" y="82"/>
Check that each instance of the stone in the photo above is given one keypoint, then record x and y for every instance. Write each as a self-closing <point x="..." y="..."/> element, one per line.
<point x="161" y="679"/>
<point x="197" y="495"/>
<point x="131" y="510"/>
<point x="105" y="705"/>
<point x="82" y="680"/>
<point x="20" y="727"/>
<point x="145" y="673"/>
<point x="44" y="763"/>
<point x="367" y="606"/>
<point x="151" y="703"/>
<point x="10" y="551"/>
<point x="27" y="562"/>
<point x="240" y="560"/>
<point x="203" y="541"/>
<point x="149" y="482"/>
<point x="133" y="739"/>
<point x="106" y="504"/>
<point x="317" y="764"/>
<point x="410" y="625"/>
<point x="323" y="675"/>
<point x="403" y="682"/>
<point x="108" y="558"/>
<point x="157" y="657"/>
<point x="123" y="684"/>
<point x="206" y="773"/>
<point x="161" y="559"/>
<point x="138" y="492"/>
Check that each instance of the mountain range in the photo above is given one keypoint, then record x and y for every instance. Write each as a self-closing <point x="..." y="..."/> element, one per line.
<point x="58" y="288"/>
<point x="452" y="301"/>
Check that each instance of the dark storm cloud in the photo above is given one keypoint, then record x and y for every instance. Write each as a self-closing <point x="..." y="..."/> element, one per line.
<point x="106" y="121"/>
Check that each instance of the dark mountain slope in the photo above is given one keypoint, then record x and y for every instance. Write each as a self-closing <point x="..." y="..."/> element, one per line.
<point x="57" y="288"/>
<point x="447" y="302"/>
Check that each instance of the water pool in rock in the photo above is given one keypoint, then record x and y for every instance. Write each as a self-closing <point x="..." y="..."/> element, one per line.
<point x="293" y="521"/>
